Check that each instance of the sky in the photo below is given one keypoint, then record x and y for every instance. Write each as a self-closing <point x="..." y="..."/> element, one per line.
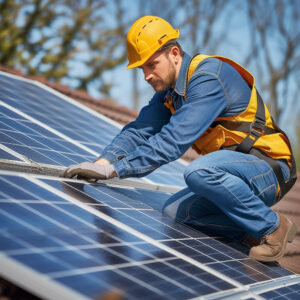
<point x="236" y="47"/>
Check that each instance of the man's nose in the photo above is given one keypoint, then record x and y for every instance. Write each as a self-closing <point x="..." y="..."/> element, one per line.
<point x="147" y="75"/>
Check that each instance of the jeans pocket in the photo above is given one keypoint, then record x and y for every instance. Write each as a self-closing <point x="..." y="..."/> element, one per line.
<point x="265" y="187"/>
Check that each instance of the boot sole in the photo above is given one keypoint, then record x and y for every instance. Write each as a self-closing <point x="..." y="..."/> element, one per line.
<point x="288" y="239"/>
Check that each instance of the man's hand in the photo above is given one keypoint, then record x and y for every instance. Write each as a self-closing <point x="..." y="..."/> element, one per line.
<point x="102" y="161"/>
<point x="88" y="170"/>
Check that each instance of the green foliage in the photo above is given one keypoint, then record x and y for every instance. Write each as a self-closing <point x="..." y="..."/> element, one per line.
<point x="50" y="37"/>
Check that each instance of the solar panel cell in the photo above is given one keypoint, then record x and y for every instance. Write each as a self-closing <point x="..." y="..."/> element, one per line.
<point x="9" y="243"/>
<point x="41" y="263"/>
<point x="291" y="292"/>
<point x="85" y="285"/>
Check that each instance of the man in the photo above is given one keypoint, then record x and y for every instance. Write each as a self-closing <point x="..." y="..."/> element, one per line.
<point x="210" y="103"/>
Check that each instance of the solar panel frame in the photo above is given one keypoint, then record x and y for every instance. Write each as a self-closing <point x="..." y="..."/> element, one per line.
<point x="8" y="154"/>
<point x="34" y="282"/>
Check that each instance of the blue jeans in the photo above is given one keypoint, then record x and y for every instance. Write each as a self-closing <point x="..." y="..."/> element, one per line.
<point x="229" y="194"/>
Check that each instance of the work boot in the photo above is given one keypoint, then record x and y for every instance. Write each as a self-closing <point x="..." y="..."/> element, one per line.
<point x="250" y="241"/>
<point x="273" y="246"/>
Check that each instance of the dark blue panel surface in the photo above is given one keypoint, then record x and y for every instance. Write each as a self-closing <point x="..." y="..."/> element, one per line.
<point x="78" y="246"/>
<point x="291" y="292"/>
<point x="71" y="240"/>
<point x="25" y="140"/>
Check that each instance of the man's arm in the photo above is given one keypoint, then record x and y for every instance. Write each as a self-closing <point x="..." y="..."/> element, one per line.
<point x="132" y="154"/>
<point x="149" y="122"/>
<point x="205" y="101"/>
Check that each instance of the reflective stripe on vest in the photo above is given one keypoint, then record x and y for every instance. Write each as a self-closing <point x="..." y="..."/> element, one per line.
<point x="252" y="131"/>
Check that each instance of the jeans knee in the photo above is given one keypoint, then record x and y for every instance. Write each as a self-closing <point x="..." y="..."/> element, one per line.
<point x="196" y="177"/>
<point x="189" y="170"/>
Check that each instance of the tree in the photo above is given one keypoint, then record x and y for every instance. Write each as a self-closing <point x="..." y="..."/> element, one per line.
<point x="50" y="37"/>
<point x="275" y="36"/>
<point x="199" y="25"/>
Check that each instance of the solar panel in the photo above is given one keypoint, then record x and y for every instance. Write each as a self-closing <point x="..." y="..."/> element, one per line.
<point x="50" y="128"/>
<point x="6" y="155"/>
<point x="288" y="292"/>
<point x="91" y="239"/>
<point x="68" y="239"/>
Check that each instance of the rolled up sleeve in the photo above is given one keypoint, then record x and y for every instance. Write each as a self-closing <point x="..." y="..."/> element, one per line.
<point x="150" y="121"/>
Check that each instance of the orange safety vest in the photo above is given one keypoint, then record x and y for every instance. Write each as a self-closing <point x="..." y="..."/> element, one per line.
<point x="252" y="131"/>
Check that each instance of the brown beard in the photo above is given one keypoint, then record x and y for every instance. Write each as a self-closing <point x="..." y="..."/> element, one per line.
<point x="164" y="85"/>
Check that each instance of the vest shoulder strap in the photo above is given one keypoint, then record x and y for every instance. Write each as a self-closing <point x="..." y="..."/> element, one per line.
<point x="198" y="58"/>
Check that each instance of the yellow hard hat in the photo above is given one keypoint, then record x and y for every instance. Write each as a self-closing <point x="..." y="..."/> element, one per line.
<point x="145" y="37"/>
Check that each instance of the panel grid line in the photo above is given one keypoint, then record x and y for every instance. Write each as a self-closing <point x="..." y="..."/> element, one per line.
<point x="140" y="235"/>
<point x="48" y="128"/>
<point x="14" y="153"/>
<point x="94" y="269"/>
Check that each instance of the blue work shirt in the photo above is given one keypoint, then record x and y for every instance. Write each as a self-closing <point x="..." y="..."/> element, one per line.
<point x="157" y="137"/>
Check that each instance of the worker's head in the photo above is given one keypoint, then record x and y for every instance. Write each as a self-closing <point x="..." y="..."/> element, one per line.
<point x="152" y="46"/>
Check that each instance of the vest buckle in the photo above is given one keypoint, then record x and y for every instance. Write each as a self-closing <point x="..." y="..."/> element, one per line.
<point x="255" y="131"/>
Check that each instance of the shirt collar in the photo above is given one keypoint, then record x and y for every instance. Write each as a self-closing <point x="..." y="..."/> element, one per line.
<point x="180" y="83"/>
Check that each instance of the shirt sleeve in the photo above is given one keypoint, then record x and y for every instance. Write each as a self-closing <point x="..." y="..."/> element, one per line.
<point x="205" y="101"/>
<point x="149" y="122"/>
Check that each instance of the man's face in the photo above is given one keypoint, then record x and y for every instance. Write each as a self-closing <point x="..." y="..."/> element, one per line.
<point x="160" y="72"/>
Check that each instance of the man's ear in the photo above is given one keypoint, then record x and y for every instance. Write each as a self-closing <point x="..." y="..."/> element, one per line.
<point x="175" y="54"/>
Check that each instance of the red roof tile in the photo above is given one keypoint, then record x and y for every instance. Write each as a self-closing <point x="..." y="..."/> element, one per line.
<point x="290" y="207"/>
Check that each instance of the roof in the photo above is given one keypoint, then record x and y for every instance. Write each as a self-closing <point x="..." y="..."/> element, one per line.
<point x="289" y="205"/>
